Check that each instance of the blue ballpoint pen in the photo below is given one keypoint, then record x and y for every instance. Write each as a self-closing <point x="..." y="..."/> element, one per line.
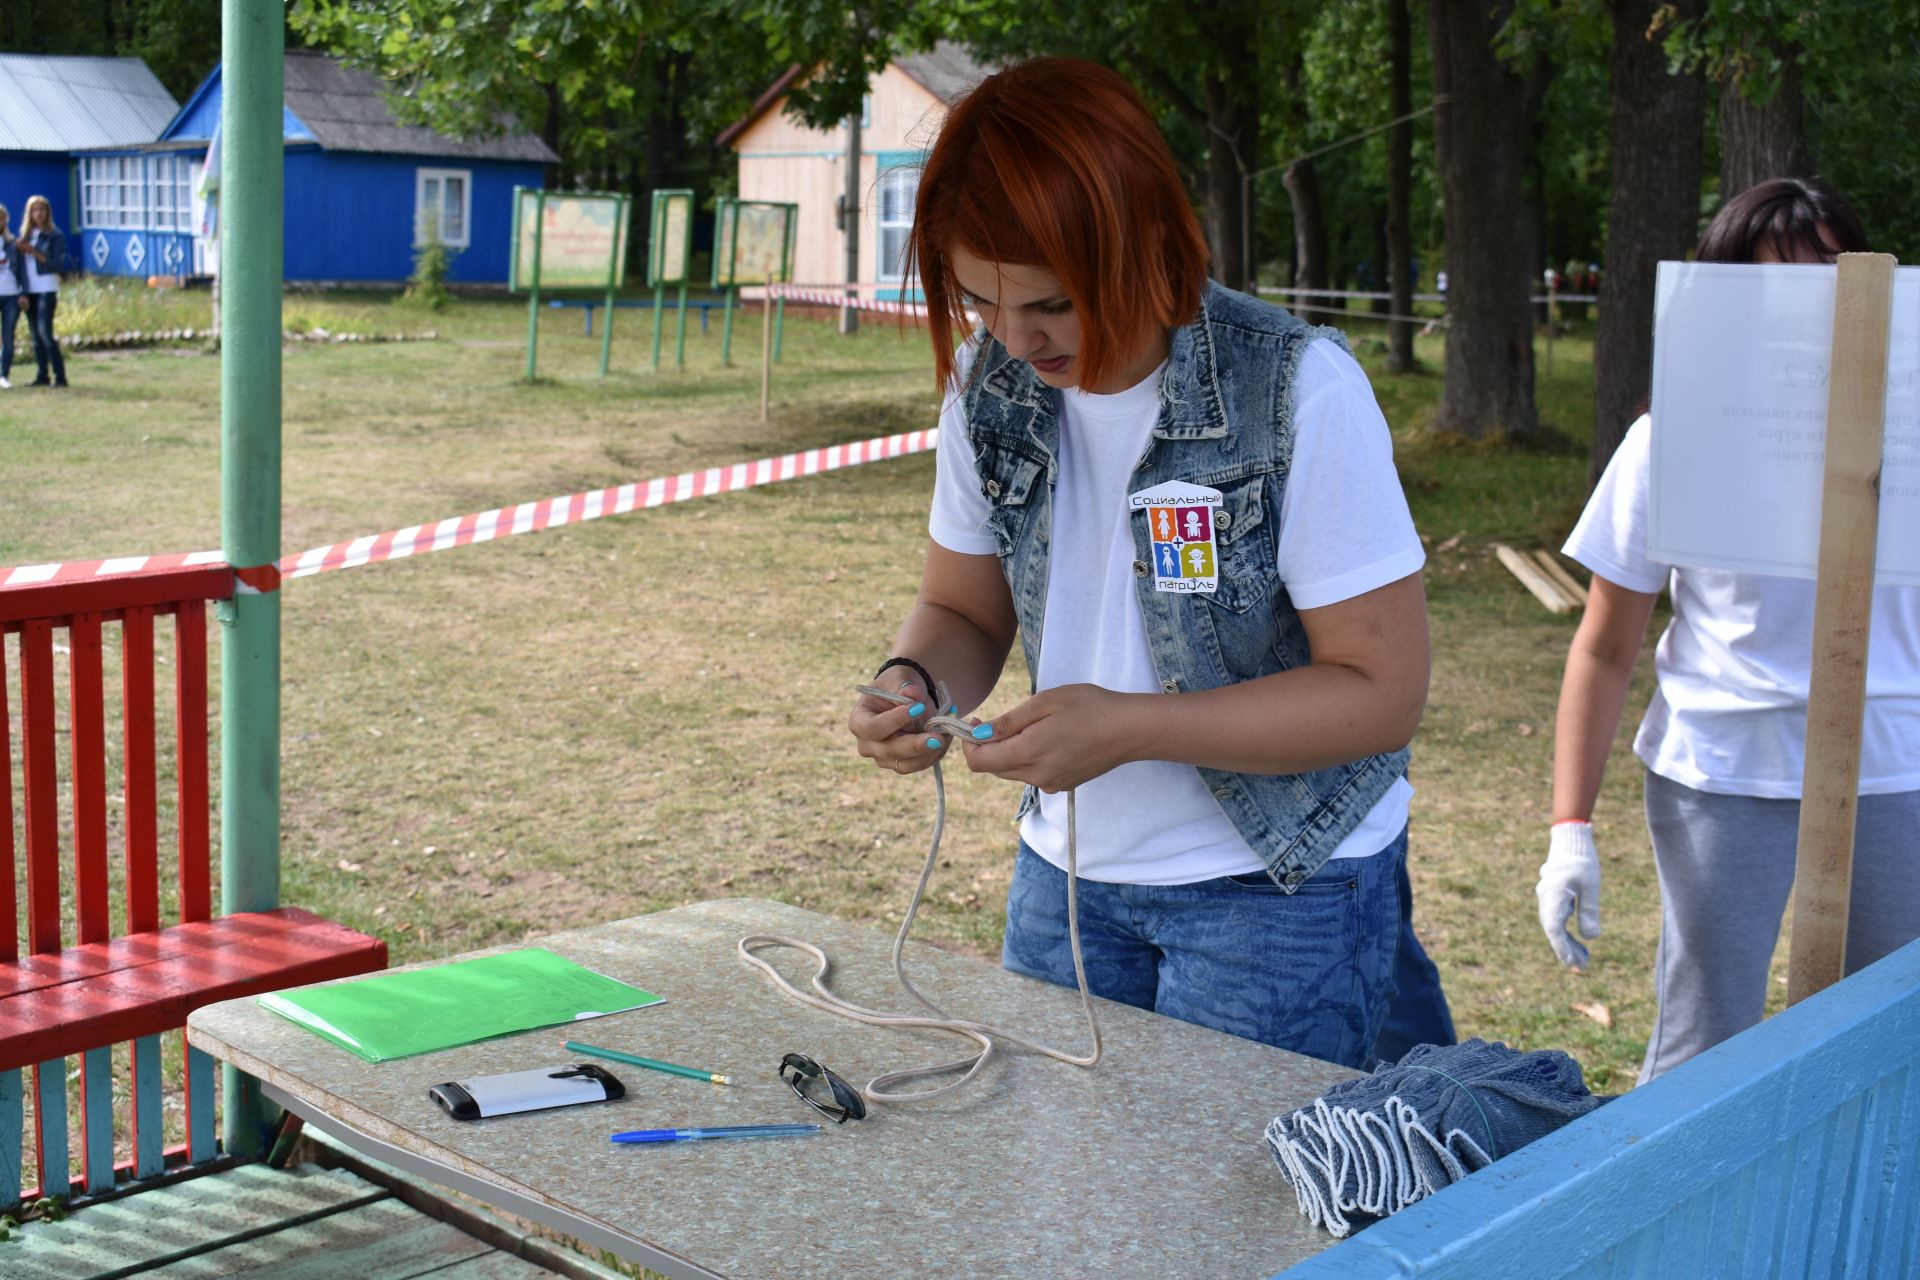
<point x="725" y="1131"/>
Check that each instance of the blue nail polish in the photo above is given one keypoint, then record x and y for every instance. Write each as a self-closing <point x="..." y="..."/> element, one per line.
<point x="953" y="710"/>
<point x="917" y="709"/>
<point x="933" y="744"/>
<point x="983" y="731"/>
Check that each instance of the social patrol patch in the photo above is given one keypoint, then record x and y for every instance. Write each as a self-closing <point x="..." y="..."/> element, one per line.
<point x="1180" y="519"/>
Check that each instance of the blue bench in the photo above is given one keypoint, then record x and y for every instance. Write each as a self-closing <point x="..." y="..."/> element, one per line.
<point x="588" y="305"/>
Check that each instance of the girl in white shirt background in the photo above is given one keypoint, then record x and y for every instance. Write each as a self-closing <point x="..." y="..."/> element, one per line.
<point x="44" y="250"/>
<point x="1723" y="740"/>
<point x="12" y="271"/>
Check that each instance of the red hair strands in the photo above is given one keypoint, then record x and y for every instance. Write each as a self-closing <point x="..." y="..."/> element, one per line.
<point x="1056" y="163"/>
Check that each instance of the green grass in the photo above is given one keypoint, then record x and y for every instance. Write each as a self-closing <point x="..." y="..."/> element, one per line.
<point x="488" y="744"/>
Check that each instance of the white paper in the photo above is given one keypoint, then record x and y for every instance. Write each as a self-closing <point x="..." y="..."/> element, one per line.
<point x="1739" y="420"/>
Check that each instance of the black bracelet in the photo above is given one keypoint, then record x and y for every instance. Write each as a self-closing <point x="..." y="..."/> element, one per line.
<point x="933" y="690"/>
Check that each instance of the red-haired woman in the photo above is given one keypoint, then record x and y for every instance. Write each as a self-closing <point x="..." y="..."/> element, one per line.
<point x="1183" y="502"/>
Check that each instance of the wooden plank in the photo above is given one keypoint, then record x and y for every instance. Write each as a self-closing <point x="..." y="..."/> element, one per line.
<point x="1569" y="585"/>
<point x="137" y="771"/>
<point x="87" y="744"/>
<point x="496" y="1266"/>
<point x="9" y="904"/>
<point x="149" y="1123"/>
<point x="129" y="1236"/>
<point x="190" y="713"/>
<point x="12" y="1137"/>
<point x="50" y="1126"/>
<point x="1842" y="617"/>
<point x="67" y="1004"/>
<point x="60" y="600"/>
<point x="40" y="784"/>
<point x="200" y="1099"/>
<point x="96" y="1118"/>
<point x="1536" y="582"/>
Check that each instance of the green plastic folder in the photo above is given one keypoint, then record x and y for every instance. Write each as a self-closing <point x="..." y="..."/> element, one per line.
<point x="395" y="1015"/>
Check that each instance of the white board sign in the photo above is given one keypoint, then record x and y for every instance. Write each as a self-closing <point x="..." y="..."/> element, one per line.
<point x="1739" y="420"/>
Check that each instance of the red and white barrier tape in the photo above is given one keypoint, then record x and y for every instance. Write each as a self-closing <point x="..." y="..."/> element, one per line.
<point x="506" y="522"/>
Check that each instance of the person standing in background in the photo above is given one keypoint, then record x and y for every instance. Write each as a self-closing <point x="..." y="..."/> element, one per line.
<point x="12" y="278"/>
<point x="44" y="250"/>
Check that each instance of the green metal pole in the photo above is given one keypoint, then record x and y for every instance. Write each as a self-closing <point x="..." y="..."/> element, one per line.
<point x="533" y="285"/>
<point x="659" y="302"/>
<point x="680" y="351"/>
<point x="252" y="198"/>
<point x="726" y="330"/>
<point x="613" y="276"/>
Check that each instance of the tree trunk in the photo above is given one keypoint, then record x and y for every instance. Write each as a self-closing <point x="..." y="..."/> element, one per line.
<point x="555" y="176"/>
<point x="1652" y="213"/>
<point x="1303" y="195"/>
<point x="1761" y="140"/>
<point x="1489" y="385"/>
<point x="1377" y="271"/>
<point x="1233" y="134"/>
<point x="1539" y="79"/>
<point x="1400" y="190"/>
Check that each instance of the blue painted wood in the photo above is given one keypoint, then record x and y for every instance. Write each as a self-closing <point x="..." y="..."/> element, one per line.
<point x="1815" y="1110"/>
<point x="200" y="1096"/>
<point x="148" y="1127"/>
<point x="96" y="1099"/>
<point x="12" y="1117"/>
<point x="50" y="1117"/>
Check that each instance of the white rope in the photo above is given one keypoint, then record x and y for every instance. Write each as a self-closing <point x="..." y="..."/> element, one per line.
<point x="881" y="1088"/>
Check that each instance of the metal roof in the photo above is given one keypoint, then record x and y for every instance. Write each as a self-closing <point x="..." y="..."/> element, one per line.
<point x="66" y="104"/>
<point x="343" y="108"/>
<point x="947" y="71"/>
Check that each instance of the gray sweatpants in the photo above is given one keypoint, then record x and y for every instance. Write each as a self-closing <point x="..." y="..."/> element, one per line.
<point x="1726" y="872"/>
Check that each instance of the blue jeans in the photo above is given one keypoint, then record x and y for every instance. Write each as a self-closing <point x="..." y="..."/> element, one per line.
<point x="46" y="348"/>
<point x="9" y="319"/>
<point x="1310" y="972"/>
<point x="1418" y="1012"/>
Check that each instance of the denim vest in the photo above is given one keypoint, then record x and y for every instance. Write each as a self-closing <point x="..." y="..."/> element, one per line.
<point x="1226" y="422"/>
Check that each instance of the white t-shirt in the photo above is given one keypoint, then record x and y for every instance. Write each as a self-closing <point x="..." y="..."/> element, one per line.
<point x="9" y="283"/>
<point x="1730" y="713"/>
<point x="39" y="281"/>
<point x="1344" y="530"/>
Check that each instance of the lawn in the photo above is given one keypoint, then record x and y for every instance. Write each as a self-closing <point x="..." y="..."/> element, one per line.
<point x="488" y="744"/>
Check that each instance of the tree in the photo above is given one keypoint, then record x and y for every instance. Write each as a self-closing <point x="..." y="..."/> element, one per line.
<point x="1481" y="137"/>
<point x="1658" y="115"/>
<point x="1399" y="188"/>
<point x="1203" y="62"/>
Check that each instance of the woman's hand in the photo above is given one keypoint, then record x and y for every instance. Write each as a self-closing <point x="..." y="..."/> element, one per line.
<point x="1059" y="738"/>
<point x="888" y="734"/>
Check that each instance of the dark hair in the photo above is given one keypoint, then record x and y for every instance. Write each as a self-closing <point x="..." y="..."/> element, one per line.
<point x="1785" y="215"/>
<point x="1057" y="163"/>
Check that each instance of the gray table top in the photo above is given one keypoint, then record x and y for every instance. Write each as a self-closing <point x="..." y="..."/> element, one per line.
<point x="1150" y="1164"/>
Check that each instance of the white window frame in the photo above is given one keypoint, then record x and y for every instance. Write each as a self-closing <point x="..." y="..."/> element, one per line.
<point x="169" y="193"/>
<point x="421" y="177"/>
<point x="113" y="192"/>
<point x="894" y="272"/>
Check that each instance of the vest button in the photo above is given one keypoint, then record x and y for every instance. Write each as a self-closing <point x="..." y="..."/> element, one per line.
<point x="1223" y="793"/>
<point x="1221" y="519"/>
<point x="1294" y="878"/>
<point x="993" y="488"/>
<point x="1140" y="568"/>
<point x="1169" y="686"/>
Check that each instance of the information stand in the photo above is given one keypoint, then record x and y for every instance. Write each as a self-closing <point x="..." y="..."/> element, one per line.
<point x="572" y="240"/>
<point x="752" y="244"/>
<point x="669" y="258"/>
<point x="1774" y="416"/>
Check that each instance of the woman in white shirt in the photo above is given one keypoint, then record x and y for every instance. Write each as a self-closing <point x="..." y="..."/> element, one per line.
<point x="44" y="251"/>
<point x="1724" y="737"/>
<point x="11" y="271"/>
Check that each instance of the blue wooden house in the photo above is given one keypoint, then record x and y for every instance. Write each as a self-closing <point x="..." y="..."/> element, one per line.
<point x="52" y="107"/>
<point x="363" y="191"/>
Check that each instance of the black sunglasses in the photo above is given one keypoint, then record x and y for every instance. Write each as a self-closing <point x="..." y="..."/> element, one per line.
<point x="822" y="1090"/>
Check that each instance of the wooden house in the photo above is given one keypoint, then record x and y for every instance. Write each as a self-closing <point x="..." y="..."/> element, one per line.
<point x="783" y="160"/>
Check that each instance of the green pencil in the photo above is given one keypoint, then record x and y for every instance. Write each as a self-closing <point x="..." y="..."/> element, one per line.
<point x="634" y="1059"/>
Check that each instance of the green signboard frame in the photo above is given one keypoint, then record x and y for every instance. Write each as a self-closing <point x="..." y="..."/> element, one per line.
<point x="734" y="266"/>
<point x="670" y="261"/>
<point x="573" y="258"/>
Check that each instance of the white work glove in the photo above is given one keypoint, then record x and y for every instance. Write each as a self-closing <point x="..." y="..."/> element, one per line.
<point x="1570" y="880"/>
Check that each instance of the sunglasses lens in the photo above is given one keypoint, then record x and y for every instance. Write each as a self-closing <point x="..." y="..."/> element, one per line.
<point x="820" y="1089"/>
